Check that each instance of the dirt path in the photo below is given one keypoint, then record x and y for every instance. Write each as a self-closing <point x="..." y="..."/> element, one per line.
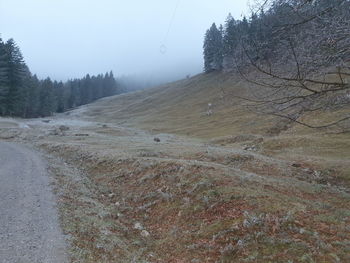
<point x="29" y="228"/>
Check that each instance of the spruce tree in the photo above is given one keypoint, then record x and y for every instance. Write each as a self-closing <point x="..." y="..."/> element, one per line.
<point x="213" y="49"/>
<point x="3" y="77"/>
<point x="47" y="98"/>
<point x="33" y="95"/>
<point x="17" y="70"/>
<point x="207" y="52"/>
<point x="86" y="90"/>
<point x="109" y="85"/>
<point x="60" y="96"/>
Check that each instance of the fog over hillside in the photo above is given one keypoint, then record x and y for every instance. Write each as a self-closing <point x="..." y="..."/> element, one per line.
<point x="154" y="39"/>
<point x="113" y="149"/>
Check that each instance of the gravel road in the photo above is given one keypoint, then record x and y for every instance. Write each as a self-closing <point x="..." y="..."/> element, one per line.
<point x="29" y="228"/>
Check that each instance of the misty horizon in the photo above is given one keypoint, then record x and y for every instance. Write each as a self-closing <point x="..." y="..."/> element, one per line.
<point x="155" y="40"/>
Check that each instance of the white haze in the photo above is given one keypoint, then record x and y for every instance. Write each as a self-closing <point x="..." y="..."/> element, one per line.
<point x="66" y="39"/>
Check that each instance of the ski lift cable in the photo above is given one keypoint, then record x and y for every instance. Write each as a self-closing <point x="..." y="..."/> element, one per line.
<point x="163" y="46"/>
<point x="172" y="20"/>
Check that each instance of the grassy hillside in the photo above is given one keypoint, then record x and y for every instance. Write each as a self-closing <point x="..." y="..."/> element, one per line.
<point x="234" y="186"/>
<point x="180" y="108"/>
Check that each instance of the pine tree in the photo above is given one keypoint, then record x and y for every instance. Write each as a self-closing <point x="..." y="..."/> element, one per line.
<point x="96" y="82"/>
<point x="3" y="77"/>
<point x="230" y="38"/>
<point x="59" y="95"/>
<point x="207" y="52"/>
<point x="33" y="95"/>
<point x="219" y="53"/>
<point x="113" y="89"/>
<point x="213" y="49"/>
<point x="109" y="85"/>
<point x="47" y="99"/>
<point x="86" y="90"/>
<point x="71" y="95"/>
<point x="17" y="70"/>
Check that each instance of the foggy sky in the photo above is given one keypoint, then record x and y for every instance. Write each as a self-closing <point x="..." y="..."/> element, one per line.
<point x="66" y="39"/>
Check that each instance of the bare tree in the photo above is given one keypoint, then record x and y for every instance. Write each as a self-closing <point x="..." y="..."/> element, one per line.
<point x="304" y="66"/>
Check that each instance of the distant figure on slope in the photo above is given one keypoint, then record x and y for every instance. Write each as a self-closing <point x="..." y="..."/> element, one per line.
<point x="209" y="111"/>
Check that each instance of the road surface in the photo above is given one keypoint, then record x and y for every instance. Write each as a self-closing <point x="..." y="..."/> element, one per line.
<point x="29" y="228"/>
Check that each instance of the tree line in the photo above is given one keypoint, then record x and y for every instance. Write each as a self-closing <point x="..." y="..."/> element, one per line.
<point x="295" y="55"/>
<point x="22" y="94"/>
<point x="275" y="26"/>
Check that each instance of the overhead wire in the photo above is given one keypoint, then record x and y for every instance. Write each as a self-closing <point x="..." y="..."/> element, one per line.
<point x="163" y="47"/>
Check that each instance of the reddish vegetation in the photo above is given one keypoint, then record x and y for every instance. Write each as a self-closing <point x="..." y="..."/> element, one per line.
<point x="194" y="210"/>
<point x="230" y="210"/>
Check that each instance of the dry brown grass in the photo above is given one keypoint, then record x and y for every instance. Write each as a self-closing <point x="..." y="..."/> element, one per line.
<point x="231" y="187"/>
<point x="180" y="108"/>
<point x="238" y="207"/>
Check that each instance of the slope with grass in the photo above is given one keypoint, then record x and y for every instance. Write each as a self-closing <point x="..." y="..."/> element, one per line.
<point x="181" y="108"/>
<point x="231" y="186"/>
